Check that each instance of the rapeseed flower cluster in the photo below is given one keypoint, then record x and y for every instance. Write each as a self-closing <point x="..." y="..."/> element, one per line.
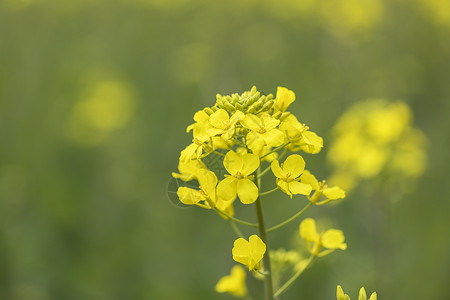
<point x="376" y="137"/>
<point x="249" y="134"/>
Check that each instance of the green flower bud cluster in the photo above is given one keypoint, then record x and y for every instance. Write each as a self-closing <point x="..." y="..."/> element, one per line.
<point x="249" y="102"/>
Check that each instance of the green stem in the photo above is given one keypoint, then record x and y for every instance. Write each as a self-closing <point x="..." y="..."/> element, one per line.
<point x="264" y="171"/>
<point x="217" y="152"/>
<point x="290" y="219"/>
<point x="275" y="150"/>
<point x="263" y="235"/>
<point x="268" y="192"/>
<point x="236" y="229"/>
<point x="235" y="219"/>
<point x="293" y="278"/>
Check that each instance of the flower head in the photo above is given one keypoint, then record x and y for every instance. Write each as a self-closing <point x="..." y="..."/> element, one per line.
<point x="240" y="166"/>
<point x="288" y="175"/>
<point x="249" y="253"/>
<point x="233" y="283"/>
<point x="263" y="131"/>
<point x="331" y="239"/>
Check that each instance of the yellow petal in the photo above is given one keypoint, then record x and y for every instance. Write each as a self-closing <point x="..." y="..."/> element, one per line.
<point x="268" y="122"/>
<point x="257" y="250"/>
<point x="299" y="188"/>
<point x="308" y="230"/>
<point x="373" y="296"/>
<point x="189" y="196"/>
<point x="252" y="122"/>
<point x="294" y="165"/>
<point x="255" y="142"/>
<point x="340" y="293"/>
<point x="334" y="192"/>
<point x="309" y="178"/>
<point x="284" y="98"/>
<point x="220" y="119"/>
<point x="277" y="171"/>
<point x="274" y="138"/>
<point x="233" y="162"/>
<point x="247" y="191"/>
<point x="334" y="239"/>
<point x="250" y="163"/>
<point x="362" y="294"/>
<point x="284" y="186"/>
<point x="241" y="251"/>
<point x="227" y="189"/>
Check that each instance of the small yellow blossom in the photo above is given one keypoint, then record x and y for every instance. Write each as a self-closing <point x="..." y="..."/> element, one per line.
<point x="284" y="98"/>
<point x="189" y="169"/>
<point x="249" y="253"/>
<point x="331" y="239"/>
<point x="201" y="126"/>
<point x="233" y="283"/>
<point x="288" y="175"/>
<point x="263" y="131"/>
<point x="240" y="166"/>
<point x="362" y="294"/>
<point x="207" y="192"/>
<point x="321" y="188"/>
<point x="300" y="136"/>
<point x="223" y="125"/>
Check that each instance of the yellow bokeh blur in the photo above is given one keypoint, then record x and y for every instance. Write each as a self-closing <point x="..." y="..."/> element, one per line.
<point x="108" y="106"/>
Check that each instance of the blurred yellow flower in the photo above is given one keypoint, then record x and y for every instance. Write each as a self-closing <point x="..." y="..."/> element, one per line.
<point x="331" y="239"/>
<point x="374" y="137"/>
<point x="249" y="253"/>
<point x="108" y="106"/>
<point x="233" y="283"/>
<point x="288" y="175"/>
<point x="240" y="166"/>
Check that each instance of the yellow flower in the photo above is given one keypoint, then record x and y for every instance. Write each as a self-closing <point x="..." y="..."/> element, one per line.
<point x="362" y="294"/>
<point x="222" y="123"/>
<point x="249" y="253"/>
<point x="207" y="192"/>
<point x="299" y="135"/>
<point x="233" y="283"/>
<point x="189" y="169"/>
<point x="240" y="166"/>
<point x="321" y="188"/>
<point x="288" y="175"/>
<point x="284" y="98"/>
<point x="263" y="131"/>
<point x="332" y="238"/>
<point x="201" y="125"/>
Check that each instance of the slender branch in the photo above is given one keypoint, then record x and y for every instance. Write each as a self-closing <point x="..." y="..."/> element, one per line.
<point x="275" y="150"/>
<point x="217" y="152"/>
<point x="263" y="235"/>
<point x="268" y="192"/>
<point x="264" y="171"/>
<point x="235" y="219"/>
<point x="236" y="229"/>
<point x="293" y="278"/>
<point x="290" y="219"/>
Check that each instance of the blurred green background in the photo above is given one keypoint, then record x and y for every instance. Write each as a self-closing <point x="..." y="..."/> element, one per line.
<point x="95" y="97"/>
